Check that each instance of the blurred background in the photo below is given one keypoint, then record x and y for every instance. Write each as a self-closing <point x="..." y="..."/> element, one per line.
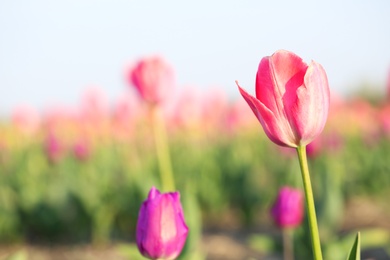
<point x="77" y="159"/>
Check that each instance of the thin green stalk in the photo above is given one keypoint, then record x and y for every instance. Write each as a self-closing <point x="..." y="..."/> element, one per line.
<point x="311" y="211"/>
<point x="288" y="245"/>
<point x="162" y="150"/>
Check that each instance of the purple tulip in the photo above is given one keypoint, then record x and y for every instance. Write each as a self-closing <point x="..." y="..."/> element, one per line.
<point x="161" y="228"/>
<point x="287" y="210"/>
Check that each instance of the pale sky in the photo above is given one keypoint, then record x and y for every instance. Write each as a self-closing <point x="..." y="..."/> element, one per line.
<point x="51" y="51"/>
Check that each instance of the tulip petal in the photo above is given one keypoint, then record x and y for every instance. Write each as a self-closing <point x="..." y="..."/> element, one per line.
<point x="312" y="105"/>
<point x="269" y="121"/>
<point x="277" y="80"/>
<point x="153" y="193"/>
<point x="288" y="70"/>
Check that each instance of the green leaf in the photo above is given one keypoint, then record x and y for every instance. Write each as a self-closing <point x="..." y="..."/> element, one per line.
<point x="354" y="254"/>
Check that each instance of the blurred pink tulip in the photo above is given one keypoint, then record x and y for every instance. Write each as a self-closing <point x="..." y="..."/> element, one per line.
<point x="314" y="148"/>
<point x="238" y="116"/>
<point x="54" y="148"/>
<point x="292" y="99"/>
<point x="26" y="119"/>
<point x="186" y="111"/>
<point x="161" y="228"/>
<point x="153" y="79"/>
<point x="384" y="119"/>
<point x="124" y="115"/>
<point x="81" y="150"/>
<point x="288" y="208"/>
<point x="93" y="108"/>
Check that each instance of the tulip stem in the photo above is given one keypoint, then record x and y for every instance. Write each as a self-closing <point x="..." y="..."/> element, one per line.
<point x="288" y="245"/>
<point x="311" y="211"/>
<point x="162" y="150"/>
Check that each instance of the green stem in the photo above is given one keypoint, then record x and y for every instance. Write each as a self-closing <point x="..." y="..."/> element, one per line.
<point x="162" y="150"/>
<point x="311" y="211"/>
<point x="288" y="245"/>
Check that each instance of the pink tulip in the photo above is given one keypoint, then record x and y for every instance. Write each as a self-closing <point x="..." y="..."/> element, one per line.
<point x="287" y="210"/>
<point x="161" y="228"/>
<point x="81" y="149"/>
<point x="153" y="79"/>
<point x="26" y="119"/>
<point x="124" y="115"/>
<point x="54" y="148"/>
<point x="292" y="99"/>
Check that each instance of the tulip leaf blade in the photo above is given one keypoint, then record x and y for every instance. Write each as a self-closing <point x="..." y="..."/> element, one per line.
<point x="354" y="254"/>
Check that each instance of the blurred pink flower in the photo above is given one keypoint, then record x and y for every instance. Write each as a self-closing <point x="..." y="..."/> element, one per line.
<point x="187" y="109"/>
<point x="57" y="118"/>
<point x="124" y="116"/>
<point x="54" y="148"/>
<point x="81" y="149"/>
<point x="292" y="99"/>
<point x="161" y="228"/>
<point x="214" y="111"/>
<point x="288" y="208"/>
<point x="314" y="148"/>
<point x="238" y="115"/>
<point x="384" y="119"/>
<point x="153" y="79"/>
<point x="26" y="119"/>
<point x="94" y="106"/>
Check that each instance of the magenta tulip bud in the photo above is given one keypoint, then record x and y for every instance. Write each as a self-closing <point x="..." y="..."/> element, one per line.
<point x="287" y="210"/>
<point x="153" y="79"/>
<point x="161" y="228"/>
<point x="292" y="99"/>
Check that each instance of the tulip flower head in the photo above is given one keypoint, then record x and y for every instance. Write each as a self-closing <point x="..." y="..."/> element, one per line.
<point x="292" y="99"/>
<point x="161" y="228"/>
<point x="153" y="79"/>
<point x="287" y="210"/>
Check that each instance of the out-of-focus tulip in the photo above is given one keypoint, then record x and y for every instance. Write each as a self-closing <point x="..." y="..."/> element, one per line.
<point x="314" y="148"/>
<point x="153" y="79"/>
<point x="26" y="119"/>
<point x="94" y="106"/>
<point x="81" y="149"/>
<point x="292" y="99"/>
<point x="287" y="210"/>
<point x="54" y="148"/>
<point x="161" y="228"/>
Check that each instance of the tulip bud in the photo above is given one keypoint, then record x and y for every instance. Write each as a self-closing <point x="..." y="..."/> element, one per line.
<point x="292" y="99"/>
<point x="153" y="79"/>
<point x="287" y="210"/>
<point x="161" y="228"/>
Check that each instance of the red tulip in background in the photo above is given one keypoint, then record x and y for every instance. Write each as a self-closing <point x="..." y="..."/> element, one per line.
<point x="153" y="79"/>
<point x="287" y="210"/>
<point x="161" y="228"/>
<point x="292" y="99"/>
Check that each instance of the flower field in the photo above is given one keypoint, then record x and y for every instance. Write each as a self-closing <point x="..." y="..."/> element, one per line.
<point x="79" y="175"/>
